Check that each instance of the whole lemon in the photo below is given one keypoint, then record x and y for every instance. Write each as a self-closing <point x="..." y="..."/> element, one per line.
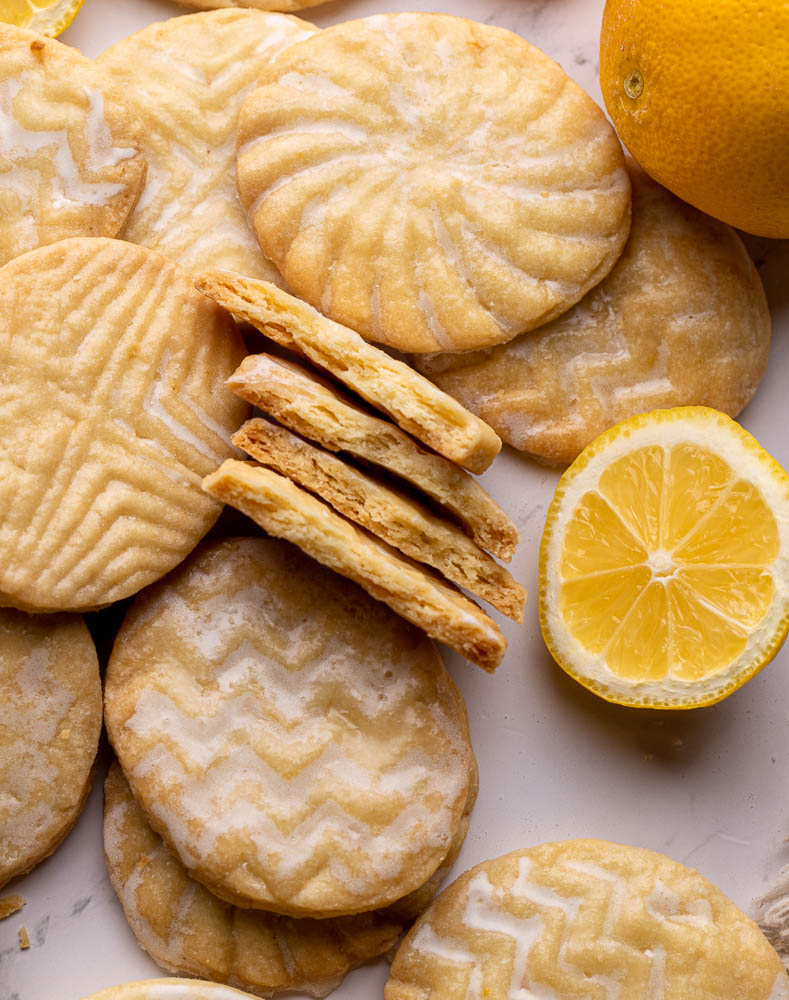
<point x="699" y="93"/>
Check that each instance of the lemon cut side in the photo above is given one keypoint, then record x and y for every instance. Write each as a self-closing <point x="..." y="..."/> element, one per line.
<point x="664" y="562"/>
<point x="47" y="17"/>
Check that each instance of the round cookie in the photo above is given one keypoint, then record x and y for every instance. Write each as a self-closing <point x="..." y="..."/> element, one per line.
<point x="186" y="929"/>
<point x="50" y="692"/>
<point x="285" y="5"/>
<point x="297" y="745"/>
<point x="433" y="183"/>
<point x="585" y="919"/>
<point x="71" y="161"/>
<point x="682" y="319"/>
<point x="113" y="408"/>
<point x="188" y="76"/>
<point x="169" y="989"/>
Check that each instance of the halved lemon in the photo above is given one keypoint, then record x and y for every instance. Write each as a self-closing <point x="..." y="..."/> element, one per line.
<point x="664" y="562"/>
<point x="47" y="17"/>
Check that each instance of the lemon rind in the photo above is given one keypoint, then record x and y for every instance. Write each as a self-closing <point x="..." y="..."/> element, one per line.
<point x="748" y="459"/>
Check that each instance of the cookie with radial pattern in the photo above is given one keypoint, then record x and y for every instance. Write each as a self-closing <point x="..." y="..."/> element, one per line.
<point x="188" y="77"/>
<point x="427" y="413"/>
<point x="387" y="512"/>
<point x="312" y="407"/>
<point x="434" y="183"/>
<point x="585" y="918"/>
<point x="71" y="160"/>
<point x="682" y="319"/>
<point x="423" y="598"/>
<point x="169" y="989"/>
<point x="188" y="930"/>
<point x="112" y="409"/>
<point x="298" y="746"/>
<point x="50" y="692"/>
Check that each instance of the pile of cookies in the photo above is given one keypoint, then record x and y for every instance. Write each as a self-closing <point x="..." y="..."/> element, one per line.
<point x="294" y="771"/>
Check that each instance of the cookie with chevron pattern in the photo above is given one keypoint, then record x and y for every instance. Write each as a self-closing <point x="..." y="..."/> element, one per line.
<point x="188" y="930"/>
<point x="682" y="319"/>
<point x="50" y="691"/>
<point x="71" y="160"/>
<point x="585" y="919"/>
<point x="282" y="5"/>
<point x="188" y="76"/>
<point x="433" y="183"/>
<point x="169" y="989"/>
<point x="297" y="745"/>
<point x="112" y="409"/>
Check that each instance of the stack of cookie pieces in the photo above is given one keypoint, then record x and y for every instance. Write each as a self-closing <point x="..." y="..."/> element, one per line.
<point x="285" y="498"/>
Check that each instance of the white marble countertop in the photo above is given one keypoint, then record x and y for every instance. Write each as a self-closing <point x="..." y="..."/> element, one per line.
<point x="707" y="787"/>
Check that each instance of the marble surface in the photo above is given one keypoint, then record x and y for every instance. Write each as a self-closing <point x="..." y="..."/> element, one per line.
<point x="706" y="787"/>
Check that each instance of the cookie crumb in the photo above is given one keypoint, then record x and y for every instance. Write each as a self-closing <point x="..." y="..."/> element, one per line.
<point x="24" y="940"/>
<point x="37" y="45"/>
<point x="11" y="904"/>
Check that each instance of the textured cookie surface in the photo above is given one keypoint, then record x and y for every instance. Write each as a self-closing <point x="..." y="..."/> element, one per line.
<point x="188" y="77"/>
<point x="50" y="722"/>
<point x="187" y="929"/>
<point x="408" y="398"/>
<point x="311" y="407"/>
<point x="387" y="512"/>
<point x="585" y="919"/>
<point x="434" y="183"/>
<point x="284" y="5"/>
<point x="681" y="320"/>
<point x="297" y="745"/>
<point x="71" y="161"/>
<point x="112" y="408"/>
<point x="168" y="989"/>
<point x="286" y="511"/>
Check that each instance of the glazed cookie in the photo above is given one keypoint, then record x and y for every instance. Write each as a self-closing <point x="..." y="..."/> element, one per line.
<point x="113" y="407"/>
<point x="50" y="692"/>
<point x="187" y="929"/>
<point x="585" y="918"/>
<point x="681" y="320"/>
<point x="284" y="510"/>
<point x="71" y="161"/>
<point x="296" y="744"/>
<point x="433" y="183"/>
<point x="415" y="404"/>
<point x="310" y="406"/>
<point x="285" y="5"/>
<point x="168" y="989"/>
<point x="387" y="512"/>
<point x="188" y="76"/>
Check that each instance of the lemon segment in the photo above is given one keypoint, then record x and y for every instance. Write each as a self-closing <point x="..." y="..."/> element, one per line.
<point x="664" y="564"/>
<point x="47" y="17"/>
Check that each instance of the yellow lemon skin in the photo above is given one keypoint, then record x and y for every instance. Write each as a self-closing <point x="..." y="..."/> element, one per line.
<point x="698" y="91"/>
<point x="664" y="561"/>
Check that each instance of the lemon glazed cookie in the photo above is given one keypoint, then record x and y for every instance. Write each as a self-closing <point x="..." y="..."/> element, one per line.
<point x="168" y="989"/>
<point x="310" y="406"/>
<point x="187" y="77"/>
<point x="187" y="929"/>
<point x="71" y="161"/>
<point x="408" y="398"/>
<point x="682" y="319"/>
<point x="50" y="692"/>
<point x="296" y="744"/>
<point x="423" y="598"/>
<point x="283" y="5"/>
<point x="112" y="408"/>
<point x="585" y="919"/>
<point x="433" y="183"/>
<point x="387" y="512"/>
